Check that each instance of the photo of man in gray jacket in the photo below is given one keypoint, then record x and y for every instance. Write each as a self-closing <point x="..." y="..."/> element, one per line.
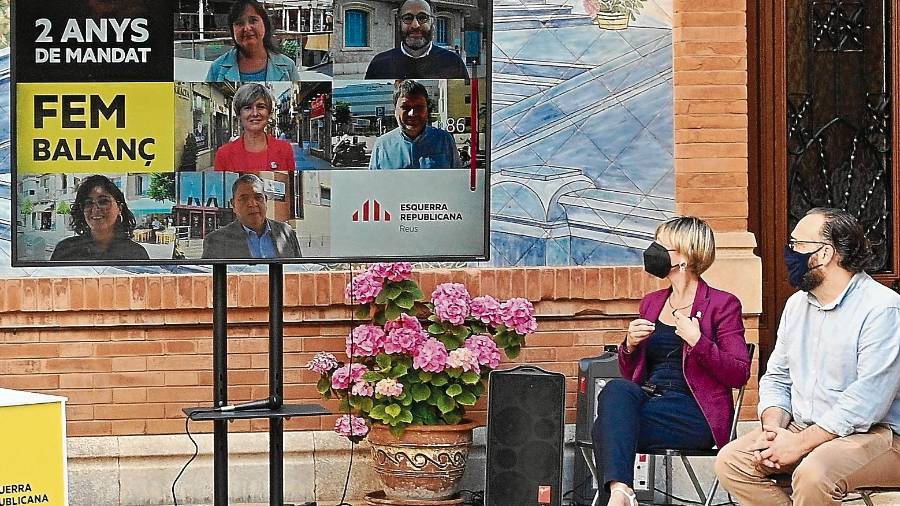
<point x="251" y="234"/>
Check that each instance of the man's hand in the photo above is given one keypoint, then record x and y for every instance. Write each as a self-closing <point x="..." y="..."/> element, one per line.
<point x="761" y="443"/>
<point x="785" y="449"/>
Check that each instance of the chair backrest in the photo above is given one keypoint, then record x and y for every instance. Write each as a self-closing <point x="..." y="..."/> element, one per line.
<point x="739" y="401"/>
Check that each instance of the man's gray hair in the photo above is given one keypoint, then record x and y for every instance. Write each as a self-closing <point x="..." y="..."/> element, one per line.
<point x="249" y="93"/>
<point x="251" y="179"/>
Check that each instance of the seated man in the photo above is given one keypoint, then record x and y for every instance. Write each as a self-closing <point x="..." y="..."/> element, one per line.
<point x="251" y="235"/>
<point x="828" y="401"/>
<point x="414" y="144"/>
<point x="417" y="57"/>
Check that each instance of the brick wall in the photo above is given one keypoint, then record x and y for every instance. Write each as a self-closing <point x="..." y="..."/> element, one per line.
<point x="711" y="111"/>
<point x="131" y="370"/>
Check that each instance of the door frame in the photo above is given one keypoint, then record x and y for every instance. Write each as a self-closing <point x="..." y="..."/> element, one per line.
<point x="767" y="156"/>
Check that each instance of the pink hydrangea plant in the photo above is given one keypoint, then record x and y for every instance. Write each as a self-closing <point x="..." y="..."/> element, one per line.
<point x="451" y="302"/>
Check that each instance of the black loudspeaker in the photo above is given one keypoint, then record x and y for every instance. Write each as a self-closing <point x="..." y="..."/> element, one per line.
<point x="525" y="430"/>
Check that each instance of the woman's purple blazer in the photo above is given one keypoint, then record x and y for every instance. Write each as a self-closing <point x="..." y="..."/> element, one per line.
<point x="718" y="363"/>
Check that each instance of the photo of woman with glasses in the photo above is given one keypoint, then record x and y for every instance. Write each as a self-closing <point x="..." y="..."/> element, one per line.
<point x="103" y="225"/>
<point x="418" y="57"/>
<point x="254" y="56"/>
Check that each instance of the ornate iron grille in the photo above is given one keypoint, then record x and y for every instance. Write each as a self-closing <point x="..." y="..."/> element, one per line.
<point x="839" y="113"/>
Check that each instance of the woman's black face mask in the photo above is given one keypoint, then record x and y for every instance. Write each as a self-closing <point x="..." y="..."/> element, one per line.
<point x="657" y="261"/>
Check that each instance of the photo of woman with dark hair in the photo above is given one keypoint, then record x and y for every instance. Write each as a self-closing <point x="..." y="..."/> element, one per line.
<point x="254" y="56"/>
<point x="103" y="225"/>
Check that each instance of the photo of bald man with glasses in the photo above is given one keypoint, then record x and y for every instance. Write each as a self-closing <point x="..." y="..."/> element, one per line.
<point x="417" y="57"/>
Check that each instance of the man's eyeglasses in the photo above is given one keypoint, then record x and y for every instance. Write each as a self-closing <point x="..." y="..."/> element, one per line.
<point x="421" y="17"/>
<point x="792" y="243"/>
<point x="102" y="203"/>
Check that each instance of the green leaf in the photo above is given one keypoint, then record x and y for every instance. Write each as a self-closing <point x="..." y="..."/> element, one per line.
<point x="420" y="392"/>
<point x="399" y="370"/>
<point x="452" y="418"/>
<point x="392" y="311"/>
<point x="454" y="390"/>
<point x="398" y="430"/>
<point x="323" y="386"/>
<point x="454" y="373"/>
<point x="377" y="412"/>
<point x="501" y="339"/>
<point x="406" y="416"/>
<point x="382" y="297"/>
<point x="435" y="329"/>
<point x="372" y="377"/>
<point x="415" y="292"/>
<point x="446" y="404"/>
<point x="405" y="400"/>
<point x="513" y="351"/>
<point x="384" y="361"/>
<point x="478" y="389"/>
<point x="466" y="399"/>
<point x="365" y="404"/>
<point x="344" y="405"/>
<point x="461" y="332"/>
<point x="406" y="301"/>
<point x="470" y="377"/>
<point x="379" y="318"/>
<point x="439" y="380"/>
<point x="393" y="410"/>
<point x="362" y="311"/>
<point x="425" y="376"/>
<point x="393" y="290"/>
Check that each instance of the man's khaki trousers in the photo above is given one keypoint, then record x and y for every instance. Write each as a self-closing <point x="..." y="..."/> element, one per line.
<point x="870" y="459"/>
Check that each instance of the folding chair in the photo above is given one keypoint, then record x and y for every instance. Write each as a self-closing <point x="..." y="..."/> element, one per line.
<point x="783" y="480"/>
<point x="587" y="451"/>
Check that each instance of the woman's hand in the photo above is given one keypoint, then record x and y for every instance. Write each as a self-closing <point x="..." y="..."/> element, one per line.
<point x="687" y="328"/>
<point x="638" y="330"/>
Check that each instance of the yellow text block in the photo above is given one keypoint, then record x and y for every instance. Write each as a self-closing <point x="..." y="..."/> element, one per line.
<point x="107" y="128"/>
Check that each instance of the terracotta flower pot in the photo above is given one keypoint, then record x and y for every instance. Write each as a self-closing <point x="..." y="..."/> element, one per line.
<point x="426" y="463"/>
<point x="612" y="20"/>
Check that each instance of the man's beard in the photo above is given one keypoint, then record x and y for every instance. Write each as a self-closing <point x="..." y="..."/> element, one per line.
<point x="811" y="280"/>
<point x="418" y="43"/>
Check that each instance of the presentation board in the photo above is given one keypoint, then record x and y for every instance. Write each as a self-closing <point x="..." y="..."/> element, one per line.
<point x="152" y="132"/>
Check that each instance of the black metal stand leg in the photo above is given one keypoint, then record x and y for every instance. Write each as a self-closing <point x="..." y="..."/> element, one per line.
<point x="276" y="383"/>
<point x="220" y="383"/>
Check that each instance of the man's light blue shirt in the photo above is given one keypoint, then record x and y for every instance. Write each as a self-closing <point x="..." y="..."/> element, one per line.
<point x="432" y="149"/>
<point x="261" y="246"/>
<point x="838" y="365"/>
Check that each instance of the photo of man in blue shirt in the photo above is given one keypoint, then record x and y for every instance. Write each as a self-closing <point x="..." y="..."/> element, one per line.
<point x="414" y="144"/>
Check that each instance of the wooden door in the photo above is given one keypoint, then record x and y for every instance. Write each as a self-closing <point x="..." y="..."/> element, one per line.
<point x="822" y="123"/>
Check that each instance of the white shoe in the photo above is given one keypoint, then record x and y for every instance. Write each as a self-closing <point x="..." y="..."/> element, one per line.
<point x="632" y="499"/>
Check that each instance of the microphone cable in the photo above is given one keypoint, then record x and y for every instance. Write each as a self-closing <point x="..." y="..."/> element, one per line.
<point x="187" y="430"/>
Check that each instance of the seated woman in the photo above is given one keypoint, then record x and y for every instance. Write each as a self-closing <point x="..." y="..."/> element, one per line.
<point x="254" y="56"/>
<point x="679" y="362"/>
<point x="103" y="225"/>
<point x="254" y="150"/>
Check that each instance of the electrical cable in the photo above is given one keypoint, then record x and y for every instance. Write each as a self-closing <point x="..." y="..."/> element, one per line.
<point x="349" y="388"/>
<point x="187" y="430"/>
<point x="476" y="497"/>
<point x="691" y="501"/>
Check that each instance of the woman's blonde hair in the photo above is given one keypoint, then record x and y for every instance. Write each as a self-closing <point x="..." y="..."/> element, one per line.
<point x="691" y="237"/>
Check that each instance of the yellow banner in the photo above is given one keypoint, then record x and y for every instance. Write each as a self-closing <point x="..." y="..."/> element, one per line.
<point x="97" y="128"/>
<point x="33" y="470"/>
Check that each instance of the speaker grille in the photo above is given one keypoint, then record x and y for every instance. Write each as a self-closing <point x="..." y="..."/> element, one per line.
<point x="526" y="422"/>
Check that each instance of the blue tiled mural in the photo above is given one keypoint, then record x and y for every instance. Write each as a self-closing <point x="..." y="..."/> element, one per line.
<point x="582" y="132"/>
<point x="582" y="137"/>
